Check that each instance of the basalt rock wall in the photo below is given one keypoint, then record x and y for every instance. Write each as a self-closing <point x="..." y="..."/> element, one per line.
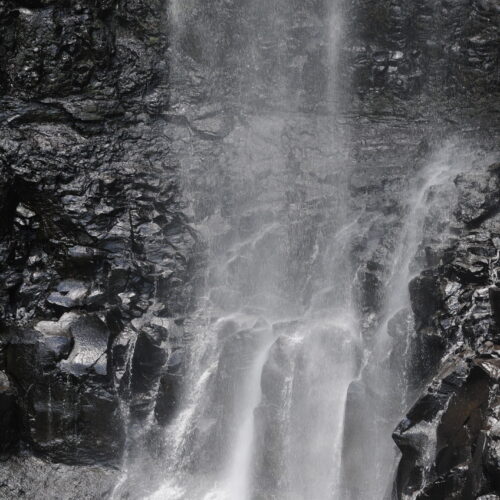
<point x="428" y="76"/>
<point x="94" y="245"/>
<point x="449" y="439"/>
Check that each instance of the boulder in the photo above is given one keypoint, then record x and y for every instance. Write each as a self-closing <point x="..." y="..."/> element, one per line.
<point x="68" y="407"/>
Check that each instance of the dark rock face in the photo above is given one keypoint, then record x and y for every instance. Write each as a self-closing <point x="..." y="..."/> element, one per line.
<point x="412" y="46"/>
<point x="449" y="438"/>
<point x="31" y="477"/>
<point x="64" y="389"/>
<point x="8" y="414"/>
<point x="94" y="248"/>
<point x="423" y="72"/>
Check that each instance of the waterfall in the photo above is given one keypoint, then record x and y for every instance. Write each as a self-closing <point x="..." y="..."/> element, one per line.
<point x="381" y="394"/>
<point x="275" y="199"/>
<point x="291" y="387"/>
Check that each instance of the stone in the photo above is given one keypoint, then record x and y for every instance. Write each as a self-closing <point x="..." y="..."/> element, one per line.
<point x="77" y="198"/>
<point x="425" y="297"/>
<point x="451" y="421"/>
<point x="9" y="428"/>
<point x="34" y="477"/>
<point x="168" y="397"/>
<point x="478" y="195"/>
<point x="69" y="294"/>
<point x="94" y="131"/>
<point x="57" y="339"/>
<point x="71" y="412"/>
<point x="91" y="341"/>
<point x="494" y="295"/>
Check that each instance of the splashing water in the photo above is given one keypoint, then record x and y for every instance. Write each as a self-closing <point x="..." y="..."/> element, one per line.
<point x="276" y="347"/>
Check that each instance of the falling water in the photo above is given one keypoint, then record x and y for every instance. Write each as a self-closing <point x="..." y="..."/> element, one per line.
<point x="384" y="387"/>
<point x="259" y="223"/>
<point x="277" y="346"/>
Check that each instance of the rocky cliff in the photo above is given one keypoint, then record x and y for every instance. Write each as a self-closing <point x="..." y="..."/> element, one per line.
<point x="426" y="72"/>
<point x="94" y="244"/>
<point x="434" y="65"/>
<point x="96" y="249"/>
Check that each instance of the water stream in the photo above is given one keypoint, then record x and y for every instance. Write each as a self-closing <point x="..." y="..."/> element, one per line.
<point x="279" y="347"/>
<point x="383" y="383"/>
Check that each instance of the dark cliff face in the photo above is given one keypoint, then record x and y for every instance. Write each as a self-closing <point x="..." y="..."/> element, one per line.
<point x="95" y="248"/>
<point x="449" y="439"/>
<point x="426" y="72"/>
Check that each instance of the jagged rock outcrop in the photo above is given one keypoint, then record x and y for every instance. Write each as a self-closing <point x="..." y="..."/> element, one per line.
<point x="32" y="477"/>
<point x="449" y="439"/>
<point x="94" y="247"/>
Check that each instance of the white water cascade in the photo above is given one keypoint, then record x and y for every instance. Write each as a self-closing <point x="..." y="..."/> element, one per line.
<point x="260" y="314"/>
<point x="277" y="343"/>
<point x="386" y="393"/>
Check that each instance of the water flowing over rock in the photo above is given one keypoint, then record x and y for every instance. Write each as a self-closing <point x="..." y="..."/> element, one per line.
<point x="250" y="250"/>
<point x="455" y="457"/>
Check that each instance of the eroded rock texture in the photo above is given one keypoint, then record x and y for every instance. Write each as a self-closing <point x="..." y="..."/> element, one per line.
<point x="411" y="76"/>
<point x="426" y="72"/>
<point x="449" y="439"/>
<point x="436" y="64"/>
<point x="94" y="247"/>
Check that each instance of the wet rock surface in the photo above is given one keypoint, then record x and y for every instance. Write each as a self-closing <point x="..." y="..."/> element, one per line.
<point x="449" y="438"/>
<point x="92" y="236"/>
<point x="414" y="75"/>
<point x="94" y="241"/>
<point x="31" y="477"/>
